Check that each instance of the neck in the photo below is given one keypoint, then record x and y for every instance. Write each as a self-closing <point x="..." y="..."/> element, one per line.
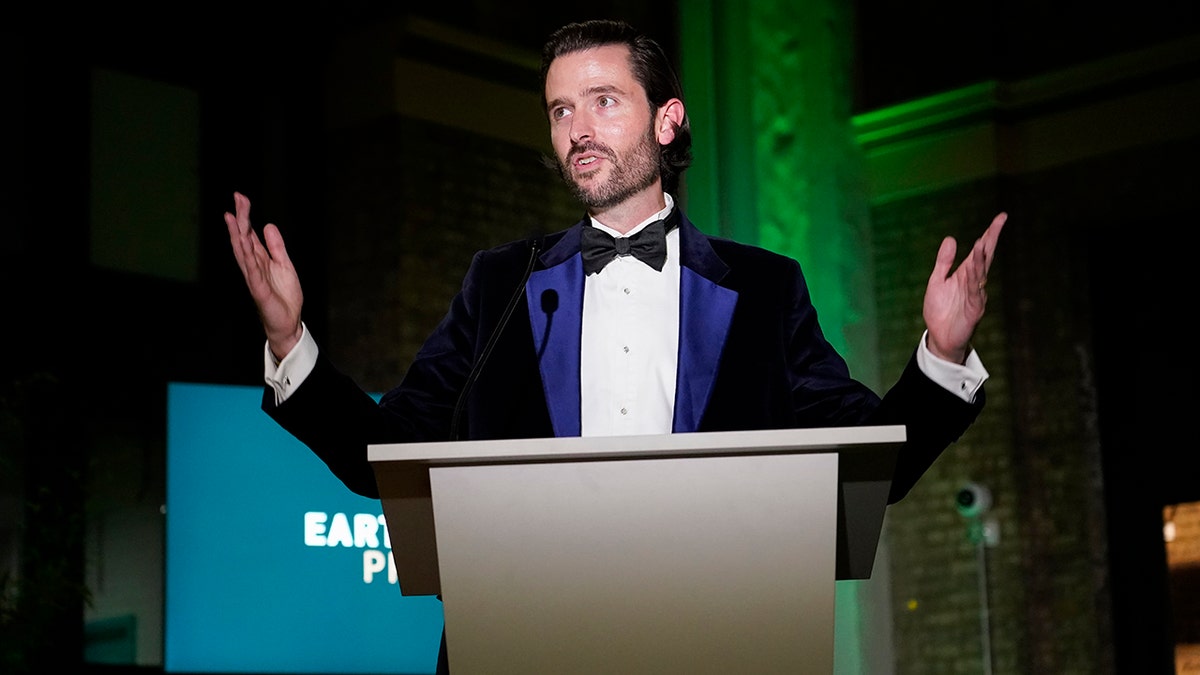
<point x="626" y="215"/>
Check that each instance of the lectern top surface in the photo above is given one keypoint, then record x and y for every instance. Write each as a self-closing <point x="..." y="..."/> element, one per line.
<point x="597" y="447"/>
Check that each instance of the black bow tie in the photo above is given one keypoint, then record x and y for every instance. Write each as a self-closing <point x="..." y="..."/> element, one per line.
<point x="649" y="245"/>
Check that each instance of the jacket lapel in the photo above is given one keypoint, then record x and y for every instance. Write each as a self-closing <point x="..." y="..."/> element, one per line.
<point x="555" y="298"/>
<point x="554" y="295"/>
<point x="705" y="313"/>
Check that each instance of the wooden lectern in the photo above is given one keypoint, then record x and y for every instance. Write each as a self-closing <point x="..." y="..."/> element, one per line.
<point x="679" y="553"/>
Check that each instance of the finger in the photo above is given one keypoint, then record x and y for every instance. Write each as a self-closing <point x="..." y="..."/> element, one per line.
<point x="239" y="224"/>
<point x="991" y="237"/>
<point x="232" y="225"/>
<point x="247" y="251"/>
<point x="242" y="208"/>
<point x="980" y="255"/>
<point x="242" y="203"/>
<point x="252" y="259"/>
<point x="236" y="240"/>
<point x="246" y="246"/>
<point x="983" y="252"/>
<point x="976" y="265"/>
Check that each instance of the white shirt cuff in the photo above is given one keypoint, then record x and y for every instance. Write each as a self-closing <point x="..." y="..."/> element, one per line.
<point x="961" y="380"/>
<point x="284" y="376"/>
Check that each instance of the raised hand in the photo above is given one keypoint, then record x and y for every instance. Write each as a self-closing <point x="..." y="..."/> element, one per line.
<point x="269" y="275"/>
<point x="954" y="302"/>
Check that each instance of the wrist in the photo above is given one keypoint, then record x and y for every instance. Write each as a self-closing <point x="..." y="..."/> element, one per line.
<point x="282" y="345"/>
<point x="958" y="355"/>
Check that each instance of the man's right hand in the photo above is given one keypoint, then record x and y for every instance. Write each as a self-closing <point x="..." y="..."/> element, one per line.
<point x="269" y="274"/>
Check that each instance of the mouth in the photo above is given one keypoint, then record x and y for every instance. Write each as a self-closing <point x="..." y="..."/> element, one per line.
<point x="586" y="161"/>
<point x="587" y="158"/>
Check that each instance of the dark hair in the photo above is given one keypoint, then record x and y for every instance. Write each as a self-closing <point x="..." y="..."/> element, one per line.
<point x="651" y="69"/>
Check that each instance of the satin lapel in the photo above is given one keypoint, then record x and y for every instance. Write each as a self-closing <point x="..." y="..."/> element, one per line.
<point x="705" y="313"/>
<point x="555" y="298"/>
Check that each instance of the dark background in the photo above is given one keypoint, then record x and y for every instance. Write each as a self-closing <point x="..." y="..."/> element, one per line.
<point x="83" y="344"/>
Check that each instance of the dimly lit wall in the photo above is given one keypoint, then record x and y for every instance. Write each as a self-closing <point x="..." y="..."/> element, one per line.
<point x="1094" y="166"/>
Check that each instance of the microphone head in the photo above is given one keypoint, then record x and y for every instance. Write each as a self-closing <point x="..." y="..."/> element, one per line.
<point x="549" y="300"/>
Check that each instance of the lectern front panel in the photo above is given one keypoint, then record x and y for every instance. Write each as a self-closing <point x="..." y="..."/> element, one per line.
<point x="713" y="564"/>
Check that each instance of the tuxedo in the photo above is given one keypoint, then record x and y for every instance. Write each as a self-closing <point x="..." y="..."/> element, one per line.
<point x="751" y="356"/>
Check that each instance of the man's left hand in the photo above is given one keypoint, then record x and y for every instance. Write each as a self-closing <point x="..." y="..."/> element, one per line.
<point x="954" y="302"/>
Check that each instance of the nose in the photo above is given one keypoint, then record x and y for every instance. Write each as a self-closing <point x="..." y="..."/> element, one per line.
<point x="581" y="129"/>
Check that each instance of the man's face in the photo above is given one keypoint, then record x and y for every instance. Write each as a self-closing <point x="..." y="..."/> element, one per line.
<point x="601" y="126"/>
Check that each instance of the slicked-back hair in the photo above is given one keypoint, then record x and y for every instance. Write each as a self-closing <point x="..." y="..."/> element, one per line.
<point x="651" y="68"/>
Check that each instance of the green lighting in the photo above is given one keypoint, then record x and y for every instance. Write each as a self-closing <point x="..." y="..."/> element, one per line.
<point x="776" y="159"/>
<point x="777" y="164"/>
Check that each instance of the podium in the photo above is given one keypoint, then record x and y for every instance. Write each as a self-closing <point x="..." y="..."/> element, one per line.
<point x="712" y="552"/>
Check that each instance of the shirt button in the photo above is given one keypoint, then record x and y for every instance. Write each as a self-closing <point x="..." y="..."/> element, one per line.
<point x="627" y="291"/>
<point x="626" y="349"/>
<point x="624" y="411"/>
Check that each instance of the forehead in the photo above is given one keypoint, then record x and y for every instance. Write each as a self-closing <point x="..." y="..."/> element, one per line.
<point x="576" y="73"/>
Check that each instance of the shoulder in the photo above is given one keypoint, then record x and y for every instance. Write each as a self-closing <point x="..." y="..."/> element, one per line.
<point x="732" y="263"/>
<point x="735" y="251"/>
<point x="699" y="246"/>
<point x="748" y="263"/>
<point x="521" y="247"/>
<point x="763" y="278"/>
<point x="512" y="258"/>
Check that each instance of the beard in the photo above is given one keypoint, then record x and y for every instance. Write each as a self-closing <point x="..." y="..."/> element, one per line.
<point x="629" y="174"/>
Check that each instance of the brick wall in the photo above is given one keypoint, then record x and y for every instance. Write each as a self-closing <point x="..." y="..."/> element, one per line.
<point x="412" y="203"/>
<point x="1076" y="303"/>
<point x="935" y="565"/>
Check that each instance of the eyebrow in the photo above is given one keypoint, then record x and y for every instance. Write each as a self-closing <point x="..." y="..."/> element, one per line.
<point x="590" y="91"/>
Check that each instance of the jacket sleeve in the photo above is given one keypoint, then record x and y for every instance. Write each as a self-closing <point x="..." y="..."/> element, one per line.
<point x="933" y="419"/>
<point x="824" y="390"/>
<point x="337" y="419"/>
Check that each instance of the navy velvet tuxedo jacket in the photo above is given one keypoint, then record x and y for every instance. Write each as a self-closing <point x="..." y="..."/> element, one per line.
<point x="751" y="356"/>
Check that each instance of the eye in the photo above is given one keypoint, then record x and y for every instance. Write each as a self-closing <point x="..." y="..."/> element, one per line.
<point x="559" y="113"/>
<point x="606" y="101"/>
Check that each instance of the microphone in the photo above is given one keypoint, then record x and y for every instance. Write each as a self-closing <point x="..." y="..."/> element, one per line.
<point x="549" y="305"/>
<point x="535" y="245"/>
<point x="549" y="301"/>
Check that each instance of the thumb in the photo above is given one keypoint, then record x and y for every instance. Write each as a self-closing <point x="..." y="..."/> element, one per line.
<point x="945" y="259"/>
<point x="275" y="244"/>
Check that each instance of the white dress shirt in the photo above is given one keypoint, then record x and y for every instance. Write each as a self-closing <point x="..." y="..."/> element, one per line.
<point x="630" y="342"/>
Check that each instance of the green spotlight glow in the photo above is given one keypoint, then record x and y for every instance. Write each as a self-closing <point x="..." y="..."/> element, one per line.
<point x="776" y="160"/>
<point x="777" y="164"/>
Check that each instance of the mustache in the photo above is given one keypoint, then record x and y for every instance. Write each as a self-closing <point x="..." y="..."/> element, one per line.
<point x="589" y="146"/>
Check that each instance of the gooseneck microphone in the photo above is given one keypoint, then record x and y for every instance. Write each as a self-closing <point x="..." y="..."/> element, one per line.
<point x="535" y="245"/>
<point x="549" y="305"/>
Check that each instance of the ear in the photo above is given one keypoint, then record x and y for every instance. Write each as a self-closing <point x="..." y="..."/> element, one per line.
<point x="669" y="118"/>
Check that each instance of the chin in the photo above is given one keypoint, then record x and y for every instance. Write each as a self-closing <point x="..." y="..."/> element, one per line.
<point x="591" y="189"/>
<point x="584" y="175"/>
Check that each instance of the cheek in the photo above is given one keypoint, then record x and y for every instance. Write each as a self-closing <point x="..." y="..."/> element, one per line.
<point x="616" y="128"/>
<point x="616" y="134"/>
<point x="628" y="129"/>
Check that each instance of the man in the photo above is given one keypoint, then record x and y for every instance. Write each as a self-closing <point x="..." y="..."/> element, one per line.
<point x="708" y="335"/>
